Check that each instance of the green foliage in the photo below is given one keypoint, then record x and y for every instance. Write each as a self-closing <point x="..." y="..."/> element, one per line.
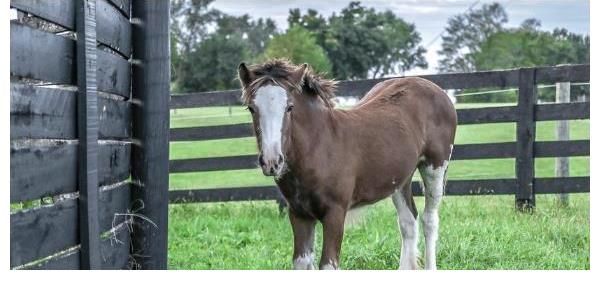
<point x="464" y="35"/>
<point x="212" y="65"/>
<point x="299" y="46"/>
<point x="205" y="61"/>
<point x="362" y="43"/>
<point x="527" y="46"/>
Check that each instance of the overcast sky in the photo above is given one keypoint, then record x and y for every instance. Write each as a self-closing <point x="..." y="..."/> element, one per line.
<point x="429" y="16"/>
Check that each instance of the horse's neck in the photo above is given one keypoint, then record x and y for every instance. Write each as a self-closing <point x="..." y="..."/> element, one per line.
<point x="312" y="131"/>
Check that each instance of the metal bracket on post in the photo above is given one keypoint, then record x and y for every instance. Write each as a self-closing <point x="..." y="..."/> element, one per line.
<point x="525" y="162"/>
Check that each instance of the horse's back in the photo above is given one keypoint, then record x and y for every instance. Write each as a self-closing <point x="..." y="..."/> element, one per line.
<point x="418" y="104"/>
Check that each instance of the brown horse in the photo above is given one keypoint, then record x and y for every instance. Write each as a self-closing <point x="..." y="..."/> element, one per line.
<point x="327" y="161"/>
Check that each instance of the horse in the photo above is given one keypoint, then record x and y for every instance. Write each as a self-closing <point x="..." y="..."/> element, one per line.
<point x="327" y="161"/>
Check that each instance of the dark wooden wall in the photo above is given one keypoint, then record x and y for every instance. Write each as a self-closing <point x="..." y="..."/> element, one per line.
<point x="72" y="126"/>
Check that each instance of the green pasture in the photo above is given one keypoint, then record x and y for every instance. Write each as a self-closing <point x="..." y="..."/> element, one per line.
<point x="476" y="232"/>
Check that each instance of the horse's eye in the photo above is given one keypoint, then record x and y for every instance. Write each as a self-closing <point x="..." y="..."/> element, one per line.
<point x="250" y="109"/>
<point x="289" y="108"/>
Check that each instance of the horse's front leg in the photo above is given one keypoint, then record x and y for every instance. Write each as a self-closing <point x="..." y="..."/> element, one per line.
<point x="333" y="233"/>
<point x="304" y="238"/>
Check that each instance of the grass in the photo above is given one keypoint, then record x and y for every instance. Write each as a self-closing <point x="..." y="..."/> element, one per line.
<point x="476" y="232"/>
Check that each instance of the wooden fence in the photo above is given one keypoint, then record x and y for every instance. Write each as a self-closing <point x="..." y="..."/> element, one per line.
<point x="525" y="149"/>
<point x="79" y="72"/>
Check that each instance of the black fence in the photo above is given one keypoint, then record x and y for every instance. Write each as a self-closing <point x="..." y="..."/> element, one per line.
<point x="525" y="149"/>
<point x="89" y="77"/>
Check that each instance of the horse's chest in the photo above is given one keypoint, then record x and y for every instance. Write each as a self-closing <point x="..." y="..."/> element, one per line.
<point x="305" y="204"/>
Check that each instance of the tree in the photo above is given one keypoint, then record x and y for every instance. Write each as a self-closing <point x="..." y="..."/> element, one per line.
<point x="212" y="65"/>
<point x="299" y="46"/>
<point x="192" y="45"/>
<point x="464" y="35"/>
<point x="362" y="43"/>
<point x="256" y="33"/>
<point x="189" y="22"/>
<point x="528" y="46"/>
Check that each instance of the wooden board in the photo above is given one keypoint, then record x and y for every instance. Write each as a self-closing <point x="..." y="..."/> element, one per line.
<point x="123" y="5"/>
<point x="566" y="111"/>
<point x="485" y="79"/>
<point x="210" y="132"/>
<point x="41" y="55"/>
<point x="43" y="231"/>
<point x="453" y="187"/>
<point x="61" y="12"/>
<point x="113" y="28"/>
<point x="46" y="170"/>
<point x="114" y="255"/>
<point x="114" y="74"/>
<point x="50" y="113"/>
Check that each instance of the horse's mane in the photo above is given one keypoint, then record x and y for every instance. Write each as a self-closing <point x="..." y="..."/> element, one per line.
<point x="279" y="71"/>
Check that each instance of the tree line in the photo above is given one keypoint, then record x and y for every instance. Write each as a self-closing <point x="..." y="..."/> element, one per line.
<point x="355" y="43"/>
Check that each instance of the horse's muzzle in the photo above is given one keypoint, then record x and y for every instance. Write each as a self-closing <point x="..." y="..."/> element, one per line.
<point x="271" y="166"/>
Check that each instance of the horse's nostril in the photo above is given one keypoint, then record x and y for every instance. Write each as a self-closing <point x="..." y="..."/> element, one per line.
<point x="261" y="161"/>
<point x="280" y="159"/>
<point x="276" y="165"/>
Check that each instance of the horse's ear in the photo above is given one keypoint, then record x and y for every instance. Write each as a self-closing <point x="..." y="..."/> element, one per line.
<point x="298" y="75"/>
<point x="246" y="76"/>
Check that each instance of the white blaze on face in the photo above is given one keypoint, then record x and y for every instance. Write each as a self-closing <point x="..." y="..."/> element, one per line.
<point x="271" y="102"/>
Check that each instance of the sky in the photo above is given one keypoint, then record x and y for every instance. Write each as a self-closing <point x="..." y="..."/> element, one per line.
<point x="429" y="16"/>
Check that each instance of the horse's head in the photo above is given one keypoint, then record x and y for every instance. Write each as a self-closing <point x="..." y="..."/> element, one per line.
<point x="270" y="100"/>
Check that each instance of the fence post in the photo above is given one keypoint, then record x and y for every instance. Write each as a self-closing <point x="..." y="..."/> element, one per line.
<point x="150" y="151"/>
<point x="87" y="129"/>
<point x="525" y="162"/>
<point x="563" y="95"/>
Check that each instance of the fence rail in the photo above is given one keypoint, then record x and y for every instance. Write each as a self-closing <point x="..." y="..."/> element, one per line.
<point x="525" y="148"/>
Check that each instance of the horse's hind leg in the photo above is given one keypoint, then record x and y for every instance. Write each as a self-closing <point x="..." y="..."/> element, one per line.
<point x="409" y="228"/>
<point x="433" y="181"/>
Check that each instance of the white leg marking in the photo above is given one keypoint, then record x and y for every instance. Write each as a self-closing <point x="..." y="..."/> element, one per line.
<point x="409" y="228"/>
<point x="433" y="179"/>
<point x="329" y="266"/>
<point x="305" y="262"/>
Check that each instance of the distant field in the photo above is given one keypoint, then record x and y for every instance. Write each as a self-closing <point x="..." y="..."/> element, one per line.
<point x="476" y="232"/>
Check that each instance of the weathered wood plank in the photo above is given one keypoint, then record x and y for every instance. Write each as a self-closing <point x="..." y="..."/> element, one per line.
<point x="36" y="54"/>
<point x="114" y="75"/>
<point x="562" y="185"/>
<point x="114" y="118"/>
<point x="42" y="112"/>
<point x="211" y="132"/>
<point x="114" y="29"/>
<point x="562" y="148"/>
<point x="224" y="194"/>
<point x="43" y="231"/>
<point x="213" y="163"/>
<point x="61" y="12"/>
<point x="44" y="170"/>
<point x="525" y="163"/>
<point x="113" y="201"/>
<point x="50" y="113"/>
<point x="566" y="111"/>
<point x="123" y="5"/>
<point x="563" y="73"/>
<point x="206" y="99"/>
<point x="484" y="151"/>
<point x="114" y="255"/>
<point x="487" y="115"/>
<point x="453" y="187"/>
